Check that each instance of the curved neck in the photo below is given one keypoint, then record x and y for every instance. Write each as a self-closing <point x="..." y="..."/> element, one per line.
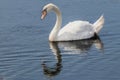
<point x="56" y="28"/>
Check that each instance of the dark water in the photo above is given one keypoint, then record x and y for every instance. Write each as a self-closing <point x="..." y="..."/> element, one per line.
<point x="26" y="54"/>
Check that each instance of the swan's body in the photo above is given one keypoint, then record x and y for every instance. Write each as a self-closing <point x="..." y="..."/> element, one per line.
<point x="75" y="30"/>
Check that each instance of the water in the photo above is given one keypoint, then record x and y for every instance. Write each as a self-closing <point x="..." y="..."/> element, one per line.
<point x="26" y="54"/>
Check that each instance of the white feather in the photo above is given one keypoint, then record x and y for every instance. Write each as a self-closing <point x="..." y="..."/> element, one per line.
<point x="99" y="24"/>
<point x="76" y="30"/>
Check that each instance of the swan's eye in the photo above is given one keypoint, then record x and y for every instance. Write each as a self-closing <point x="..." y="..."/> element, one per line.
<point x="44" y="13"/>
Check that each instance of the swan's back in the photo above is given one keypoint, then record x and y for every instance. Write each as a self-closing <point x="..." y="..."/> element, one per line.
<point x="75" y="31"/>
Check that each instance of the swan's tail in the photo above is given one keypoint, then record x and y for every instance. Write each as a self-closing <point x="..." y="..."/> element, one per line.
<point x="99" y="24"/>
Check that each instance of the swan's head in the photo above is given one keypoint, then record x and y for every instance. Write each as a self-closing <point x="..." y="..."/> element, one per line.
<point x="47" y="8"/>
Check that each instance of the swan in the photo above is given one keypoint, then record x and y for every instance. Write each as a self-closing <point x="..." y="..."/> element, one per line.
<point x="75" y="30"/>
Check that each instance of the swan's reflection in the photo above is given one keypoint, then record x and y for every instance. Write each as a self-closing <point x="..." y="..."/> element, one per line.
<point x="50" y="71"/>
<point x="81" y="46"/>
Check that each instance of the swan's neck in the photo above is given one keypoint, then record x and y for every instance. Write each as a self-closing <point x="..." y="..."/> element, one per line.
<point x="56" y="28"/>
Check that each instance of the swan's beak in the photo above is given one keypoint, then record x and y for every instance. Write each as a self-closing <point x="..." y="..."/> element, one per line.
<point x="44" y="13"/>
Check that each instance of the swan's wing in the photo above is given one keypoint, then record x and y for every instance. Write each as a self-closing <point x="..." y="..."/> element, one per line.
<point x="76" y="30"/>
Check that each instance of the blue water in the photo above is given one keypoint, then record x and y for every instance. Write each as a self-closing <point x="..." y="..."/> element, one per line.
<point x="26" y="54"/>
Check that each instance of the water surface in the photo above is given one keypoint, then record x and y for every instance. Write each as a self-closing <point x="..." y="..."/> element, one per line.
<point x="26" y="54"/>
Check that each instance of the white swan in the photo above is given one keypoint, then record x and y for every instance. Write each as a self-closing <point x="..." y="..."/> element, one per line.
<point x="75" y="30"/>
